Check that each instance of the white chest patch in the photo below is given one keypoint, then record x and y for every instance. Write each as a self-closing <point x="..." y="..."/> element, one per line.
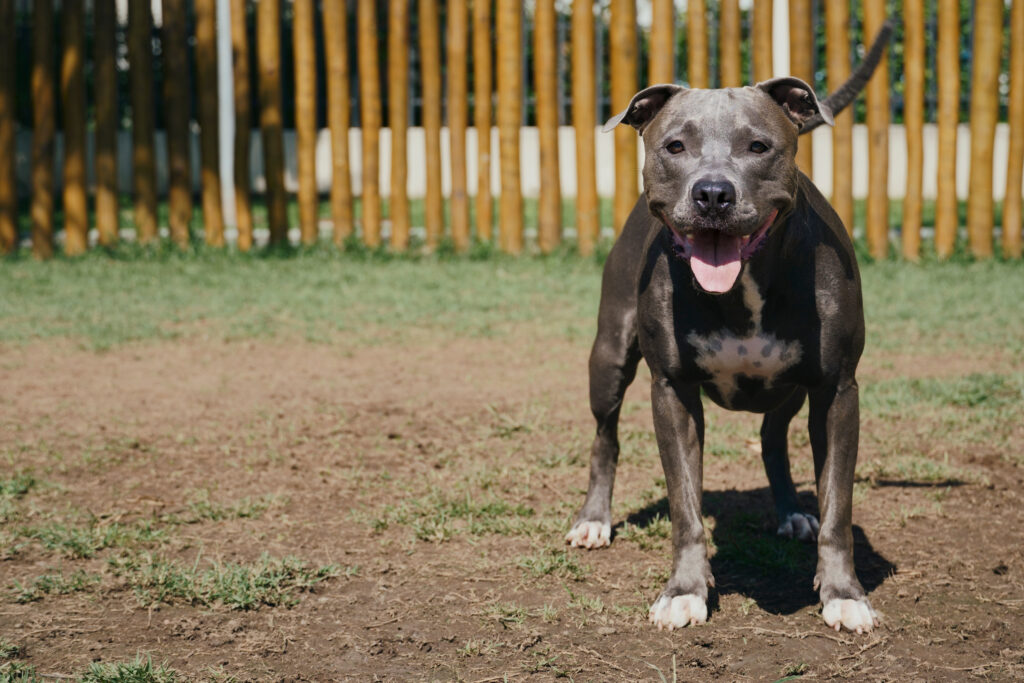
<point x="758" y="355"/>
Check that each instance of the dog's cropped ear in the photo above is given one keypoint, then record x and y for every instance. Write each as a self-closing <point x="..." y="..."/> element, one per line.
<point x="797" y="99"/>
<point x="644" y="106"/>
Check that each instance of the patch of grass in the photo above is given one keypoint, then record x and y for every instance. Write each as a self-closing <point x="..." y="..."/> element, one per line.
<point x="55" y="584"/>
<point x="138" y="670"/>
<point x="743" y="543"/>
<point x="18" y="672"/>
<point x="8" y="649"/>
<point x="268" y="581"/>
<point x="913" y="469"/>
<point x="507" y="613"/>
<point x="649" y="535"/>
<point x="203" y="509"/>
<point x="17" y="485"/>
<point x="84" y="541"/>
<point x="437" y="517"/>
<point x="551" y="562"/>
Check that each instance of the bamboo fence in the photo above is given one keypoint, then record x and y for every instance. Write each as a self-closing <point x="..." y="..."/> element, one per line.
<point x="452" y="64"/>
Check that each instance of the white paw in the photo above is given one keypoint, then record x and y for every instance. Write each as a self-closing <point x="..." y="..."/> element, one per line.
<point x="589" y="535"/>
<point x="855" y="615"/>
<point x="677" y="612"/>
<point x="799" y="525"/>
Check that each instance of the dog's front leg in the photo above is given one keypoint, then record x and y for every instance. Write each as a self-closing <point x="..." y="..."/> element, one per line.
<point x="679" y="425"/>
<point x="834" y="425"/>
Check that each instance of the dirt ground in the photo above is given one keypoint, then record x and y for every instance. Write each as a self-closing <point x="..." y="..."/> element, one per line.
<point x="437" y="478"/>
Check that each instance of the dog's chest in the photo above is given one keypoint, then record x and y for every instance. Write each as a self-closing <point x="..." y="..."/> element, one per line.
<point x="735" y="361"/>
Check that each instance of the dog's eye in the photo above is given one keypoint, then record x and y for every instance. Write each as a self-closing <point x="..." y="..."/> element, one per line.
<point x="758" y="147"/>
<point x="674" y="147"/>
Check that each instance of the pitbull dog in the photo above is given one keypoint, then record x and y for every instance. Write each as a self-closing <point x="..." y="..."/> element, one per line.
<point x="734" y="276"/>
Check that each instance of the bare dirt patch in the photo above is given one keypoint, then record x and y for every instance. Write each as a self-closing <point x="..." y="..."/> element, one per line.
<point x="433" y="481"/>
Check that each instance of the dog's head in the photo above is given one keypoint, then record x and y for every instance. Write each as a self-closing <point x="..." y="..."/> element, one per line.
<point x="720" y="166"/>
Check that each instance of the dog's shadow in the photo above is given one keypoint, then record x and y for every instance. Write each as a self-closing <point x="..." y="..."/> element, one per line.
<point x="750" y="560"/>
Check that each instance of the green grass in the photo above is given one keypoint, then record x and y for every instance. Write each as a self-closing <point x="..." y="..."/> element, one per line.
<point x="268" y="581"/>
<point x="85" y="540"/>
<point x="138" y="670"/>
<point x="103" y="301"/>
<point x="437" y="517"/>
<point x="55" y="584"/>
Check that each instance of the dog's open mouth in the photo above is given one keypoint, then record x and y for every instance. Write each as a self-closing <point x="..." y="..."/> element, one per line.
<point x="716" y="257"/>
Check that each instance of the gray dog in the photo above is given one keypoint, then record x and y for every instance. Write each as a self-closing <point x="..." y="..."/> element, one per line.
<point x="734" y="275"/>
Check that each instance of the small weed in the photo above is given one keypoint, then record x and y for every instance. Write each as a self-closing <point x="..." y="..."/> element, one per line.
<point x="549" y="562"/>
<point x="138" y="670"/>
<point x="549" y="614"/>
<point x="507" y="613"/>
<point x="793" y="671"/>
<point x="584" y="602"/>
<point x="18" y="672"/>
<point x="55" y="584"/>
<point x="746" y="605"/>
<point x="650" y="535"/>
<point x="18" y="485"/>
<point x="8" y="650"/>
<point x="476" y="648"/>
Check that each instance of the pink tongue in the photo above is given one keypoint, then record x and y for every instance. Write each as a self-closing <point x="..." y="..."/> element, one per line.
<point x="715" y="261"/>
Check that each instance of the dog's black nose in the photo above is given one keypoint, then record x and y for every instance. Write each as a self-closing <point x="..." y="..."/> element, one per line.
<point x="713" y="196"/>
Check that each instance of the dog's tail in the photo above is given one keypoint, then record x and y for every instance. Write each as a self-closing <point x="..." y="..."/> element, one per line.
<point x="848" y="91"/>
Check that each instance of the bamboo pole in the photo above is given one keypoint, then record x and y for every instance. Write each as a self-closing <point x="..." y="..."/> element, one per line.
<point x="8" y="111"/>
<point x="243" y="122"/>
<point x="430" y="62"/>
<point x="988" y="30"/>
<point x="510" y="93"/>
<point x="801" y="65"/>
<point x="209" y="135"/>
<point x="877" y="218"/>
<point x="1015" y="165"/>
<point x="837" y="56"/>
<point x="947" y="67"/>
<point x="623" y="58"/>
<point x="663" y="35"/>
<point x="545" y="51"/>
<point x="177" y="114"/>
<point x="140" y="21"/>
<point x="584" y="120"/>
<point x="482" y="87"/>
<point x="398" y="120"/>
<point x="268" y="55"/>
<point x="729" y="44"/>
<point x="304" y="41"/>
<point x="43" y="125"/>
<point x="336" y="58"/>
<point x="458" y="48"/>
<point x="761" y="39"/>
<point x="72" y="86"/>
<point x="697" y="39"/>
<point x="369" y="110"/>
<point x="105" y="81"/>
<point x="913" y="117"/>
<point x="8" y="177"/>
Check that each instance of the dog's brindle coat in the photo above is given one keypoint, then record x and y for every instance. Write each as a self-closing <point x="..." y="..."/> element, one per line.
<point x="735" y="276"/>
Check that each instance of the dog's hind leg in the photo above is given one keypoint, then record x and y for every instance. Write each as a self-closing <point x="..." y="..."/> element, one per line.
<point x="793" y="522"/>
